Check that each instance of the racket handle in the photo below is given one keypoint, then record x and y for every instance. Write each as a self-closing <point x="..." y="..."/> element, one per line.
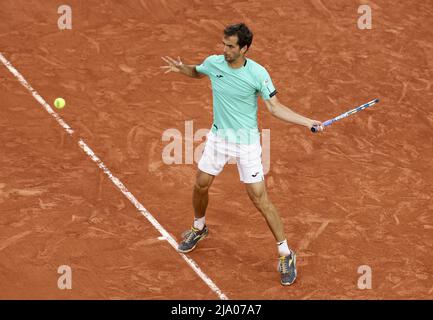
<point x="324" y="124"/>
<point x="314" y="129"/>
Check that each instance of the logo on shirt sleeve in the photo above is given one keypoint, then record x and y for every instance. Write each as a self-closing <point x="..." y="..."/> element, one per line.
<point x="269" y="86"/>
<point x="266" y="84"/>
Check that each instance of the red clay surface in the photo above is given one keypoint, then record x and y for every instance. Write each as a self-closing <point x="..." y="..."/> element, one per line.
<point x="358" y="194"/>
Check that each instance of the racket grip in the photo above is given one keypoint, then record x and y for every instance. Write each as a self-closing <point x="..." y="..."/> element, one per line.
<point x="324" y="124"/>
<point x="314" y="128"/>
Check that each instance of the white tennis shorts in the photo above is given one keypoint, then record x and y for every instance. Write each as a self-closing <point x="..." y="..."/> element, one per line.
<point x="218" y="151"/>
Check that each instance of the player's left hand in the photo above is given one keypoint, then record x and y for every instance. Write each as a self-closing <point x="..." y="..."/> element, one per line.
<point x="173" y="65"/>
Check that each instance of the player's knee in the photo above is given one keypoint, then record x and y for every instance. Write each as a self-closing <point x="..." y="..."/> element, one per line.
<point x="202" y="183"/>
<point x="200" y="189"/>
<point x="261" y="202"/>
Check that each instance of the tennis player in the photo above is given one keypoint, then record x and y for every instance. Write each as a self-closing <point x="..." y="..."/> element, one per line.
<point x="237" y="81"/>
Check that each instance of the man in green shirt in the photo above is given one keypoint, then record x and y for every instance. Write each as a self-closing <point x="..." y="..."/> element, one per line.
<point x="236" y="84"/>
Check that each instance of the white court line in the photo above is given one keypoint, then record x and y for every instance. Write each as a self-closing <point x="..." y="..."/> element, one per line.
<point x="115" y="180"/>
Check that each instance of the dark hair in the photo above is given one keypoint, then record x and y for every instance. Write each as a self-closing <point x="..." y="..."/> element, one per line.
<point x="245" y="36"/>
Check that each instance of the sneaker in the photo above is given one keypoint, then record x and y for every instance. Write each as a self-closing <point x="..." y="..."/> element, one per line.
<point x="191" y="238"/>
<point x="287" y="269"/>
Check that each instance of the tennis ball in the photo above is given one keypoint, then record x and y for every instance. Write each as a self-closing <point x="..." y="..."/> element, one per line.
<point x="59" y="103"/>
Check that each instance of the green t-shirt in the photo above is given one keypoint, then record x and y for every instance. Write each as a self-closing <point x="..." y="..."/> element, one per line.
<point x="235" y="93"/>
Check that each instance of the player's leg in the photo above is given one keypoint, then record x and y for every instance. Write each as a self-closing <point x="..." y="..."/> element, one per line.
<point x="200" y="196"/>
<point x="250" y="169"/>
<point x="210" y="165"/>
<point x="287" y="261"/>
<point x="200" y="199"/>
<point x="258" y="195"/>
<point x="251" y="173"/>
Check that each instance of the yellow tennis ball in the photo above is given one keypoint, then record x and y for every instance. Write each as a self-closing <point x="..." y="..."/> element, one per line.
<point x="59" y="103"/>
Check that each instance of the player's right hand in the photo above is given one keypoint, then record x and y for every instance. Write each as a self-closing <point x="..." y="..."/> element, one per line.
<point x="173" y="65"/>
<point x="317" y="125"/>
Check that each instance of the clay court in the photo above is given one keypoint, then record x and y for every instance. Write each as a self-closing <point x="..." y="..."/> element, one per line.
<point x="357" y="194"/>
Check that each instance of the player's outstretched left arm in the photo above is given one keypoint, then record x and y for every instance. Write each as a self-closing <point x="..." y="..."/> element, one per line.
<point x="284" y="113"/>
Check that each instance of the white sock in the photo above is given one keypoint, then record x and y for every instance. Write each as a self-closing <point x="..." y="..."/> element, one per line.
<point x="199" y="223"/>
<point x="283" y="248"/>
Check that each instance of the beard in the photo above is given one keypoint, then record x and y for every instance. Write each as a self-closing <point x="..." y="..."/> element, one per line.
<point x="230" y="58"/>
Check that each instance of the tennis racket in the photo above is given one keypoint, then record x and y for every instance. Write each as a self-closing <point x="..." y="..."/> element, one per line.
<point x="346" y="114"/>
